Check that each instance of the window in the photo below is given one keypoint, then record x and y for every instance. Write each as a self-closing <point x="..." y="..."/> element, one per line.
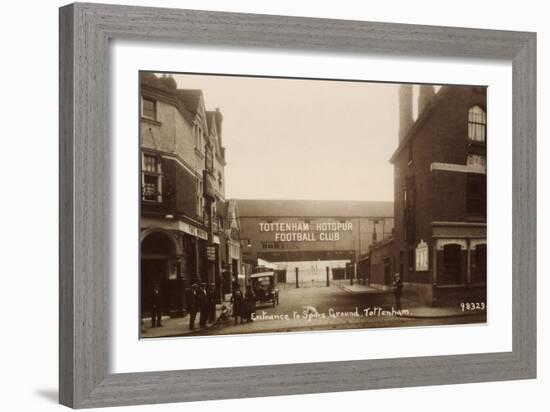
<point x="151" y="178"/>
<point x="478" y="162"/>
<point x="476" y="195"/>
<point x="198" y="138"/>
<point x="149" y="163"/>
<point x="477" y="124"/>
<point x="199" y="198"/>
<point x="410" y="149"/>
<point x="480" y="261"/>
<point x="149" y="108"/>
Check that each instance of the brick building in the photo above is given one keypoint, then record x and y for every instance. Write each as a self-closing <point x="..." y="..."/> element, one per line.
<point x="439" y="243"/>
<point x="182" y="190"/>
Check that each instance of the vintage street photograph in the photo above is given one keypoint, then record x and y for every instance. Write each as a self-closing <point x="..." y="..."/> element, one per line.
<point x="274" y="205"/>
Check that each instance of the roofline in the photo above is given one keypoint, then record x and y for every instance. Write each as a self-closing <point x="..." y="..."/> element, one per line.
<point x="389" y="214"/>
<point x="421" y="119"/>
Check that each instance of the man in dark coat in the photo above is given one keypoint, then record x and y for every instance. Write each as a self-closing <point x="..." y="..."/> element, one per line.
<point x="249" y="302"/>
<point x="203" y="305"/>
<point x="193" y="305"/>
<point x="237" y="300"/>
<point x="156" y="312"/>
<point x="397" y="288"/>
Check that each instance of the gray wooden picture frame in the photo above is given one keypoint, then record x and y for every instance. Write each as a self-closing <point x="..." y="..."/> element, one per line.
<point x="85" y="32"/>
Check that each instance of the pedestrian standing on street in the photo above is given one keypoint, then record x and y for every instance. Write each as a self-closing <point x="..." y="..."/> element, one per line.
<point x="250" y="303"/>
<point x="237" y="300"/>
<point x="397" y="288"/>
<point x="211" y="298"/>
<point x="203" y="305"/>
<point x="156" y="313"/>
<point x="193" y="305"/>
<point x="224" y="313"/>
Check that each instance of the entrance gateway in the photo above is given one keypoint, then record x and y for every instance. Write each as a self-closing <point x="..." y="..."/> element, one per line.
<point x="311" y="235"/>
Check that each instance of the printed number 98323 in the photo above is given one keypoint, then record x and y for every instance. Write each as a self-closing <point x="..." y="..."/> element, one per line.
<point x="469" y="306"/>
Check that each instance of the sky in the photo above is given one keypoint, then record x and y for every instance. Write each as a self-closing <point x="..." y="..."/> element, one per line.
<point x="304" y="139"/>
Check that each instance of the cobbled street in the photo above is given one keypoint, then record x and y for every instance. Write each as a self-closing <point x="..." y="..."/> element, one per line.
<point x="332" y="308"/>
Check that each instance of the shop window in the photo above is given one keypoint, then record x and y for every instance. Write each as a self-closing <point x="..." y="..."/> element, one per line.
<point x="480" y="260"/>
<point x="477" y="124"/>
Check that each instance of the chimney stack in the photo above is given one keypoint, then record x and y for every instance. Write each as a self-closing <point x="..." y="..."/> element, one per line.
<point x="219" y="120"/>
<point x="405" y="110"/>
<point x="425" y="96"/>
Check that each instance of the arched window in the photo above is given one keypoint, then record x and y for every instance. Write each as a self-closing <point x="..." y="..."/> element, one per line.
<point x="477" y="124"/>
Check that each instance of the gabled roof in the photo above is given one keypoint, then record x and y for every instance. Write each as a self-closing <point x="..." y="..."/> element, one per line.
<point x="210" y="119"/>
<point x="313" y="208"/>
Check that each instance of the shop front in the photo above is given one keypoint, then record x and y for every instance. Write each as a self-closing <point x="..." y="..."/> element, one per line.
<point x="173" y="257"/>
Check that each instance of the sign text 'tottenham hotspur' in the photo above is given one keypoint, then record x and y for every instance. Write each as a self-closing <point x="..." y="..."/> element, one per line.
<point x="306" y="232"/>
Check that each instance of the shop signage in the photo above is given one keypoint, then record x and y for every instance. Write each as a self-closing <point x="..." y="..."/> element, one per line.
<point x="305" y="231"/>
<point x="211" y="253"/>
<point x="192" y="230"/>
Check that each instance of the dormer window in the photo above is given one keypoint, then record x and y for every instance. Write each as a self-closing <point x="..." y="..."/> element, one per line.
<point x="477" y="124"/>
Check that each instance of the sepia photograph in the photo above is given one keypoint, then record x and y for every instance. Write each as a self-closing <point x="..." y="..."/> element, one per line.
<point x="273" y="204"/>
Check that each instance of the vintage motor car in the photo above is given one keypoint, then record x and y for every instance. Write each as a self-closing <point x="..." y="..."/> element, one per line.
<point x="265" y="288"/>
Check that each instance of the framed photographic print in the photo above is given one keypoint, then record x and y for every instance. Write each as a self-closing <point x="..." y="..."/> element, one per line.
<point x="258" y="205"/>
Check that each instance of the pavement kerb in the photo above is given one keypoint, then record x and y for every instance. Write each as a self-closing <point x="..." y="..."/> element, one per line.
<point x="455" y="315"/>
<point x="412" y="315"/>
<point x="200" y="330"/>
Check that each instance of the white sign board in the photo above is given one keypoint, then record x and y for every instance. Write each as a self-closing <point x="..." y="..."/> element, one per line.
<point x="421" y="256"/>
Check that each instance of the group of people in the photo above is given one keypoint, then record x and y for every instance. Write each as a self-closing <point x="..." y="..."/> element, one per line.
<point x="243" y="305"/>
<point x="202" y="300"/>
